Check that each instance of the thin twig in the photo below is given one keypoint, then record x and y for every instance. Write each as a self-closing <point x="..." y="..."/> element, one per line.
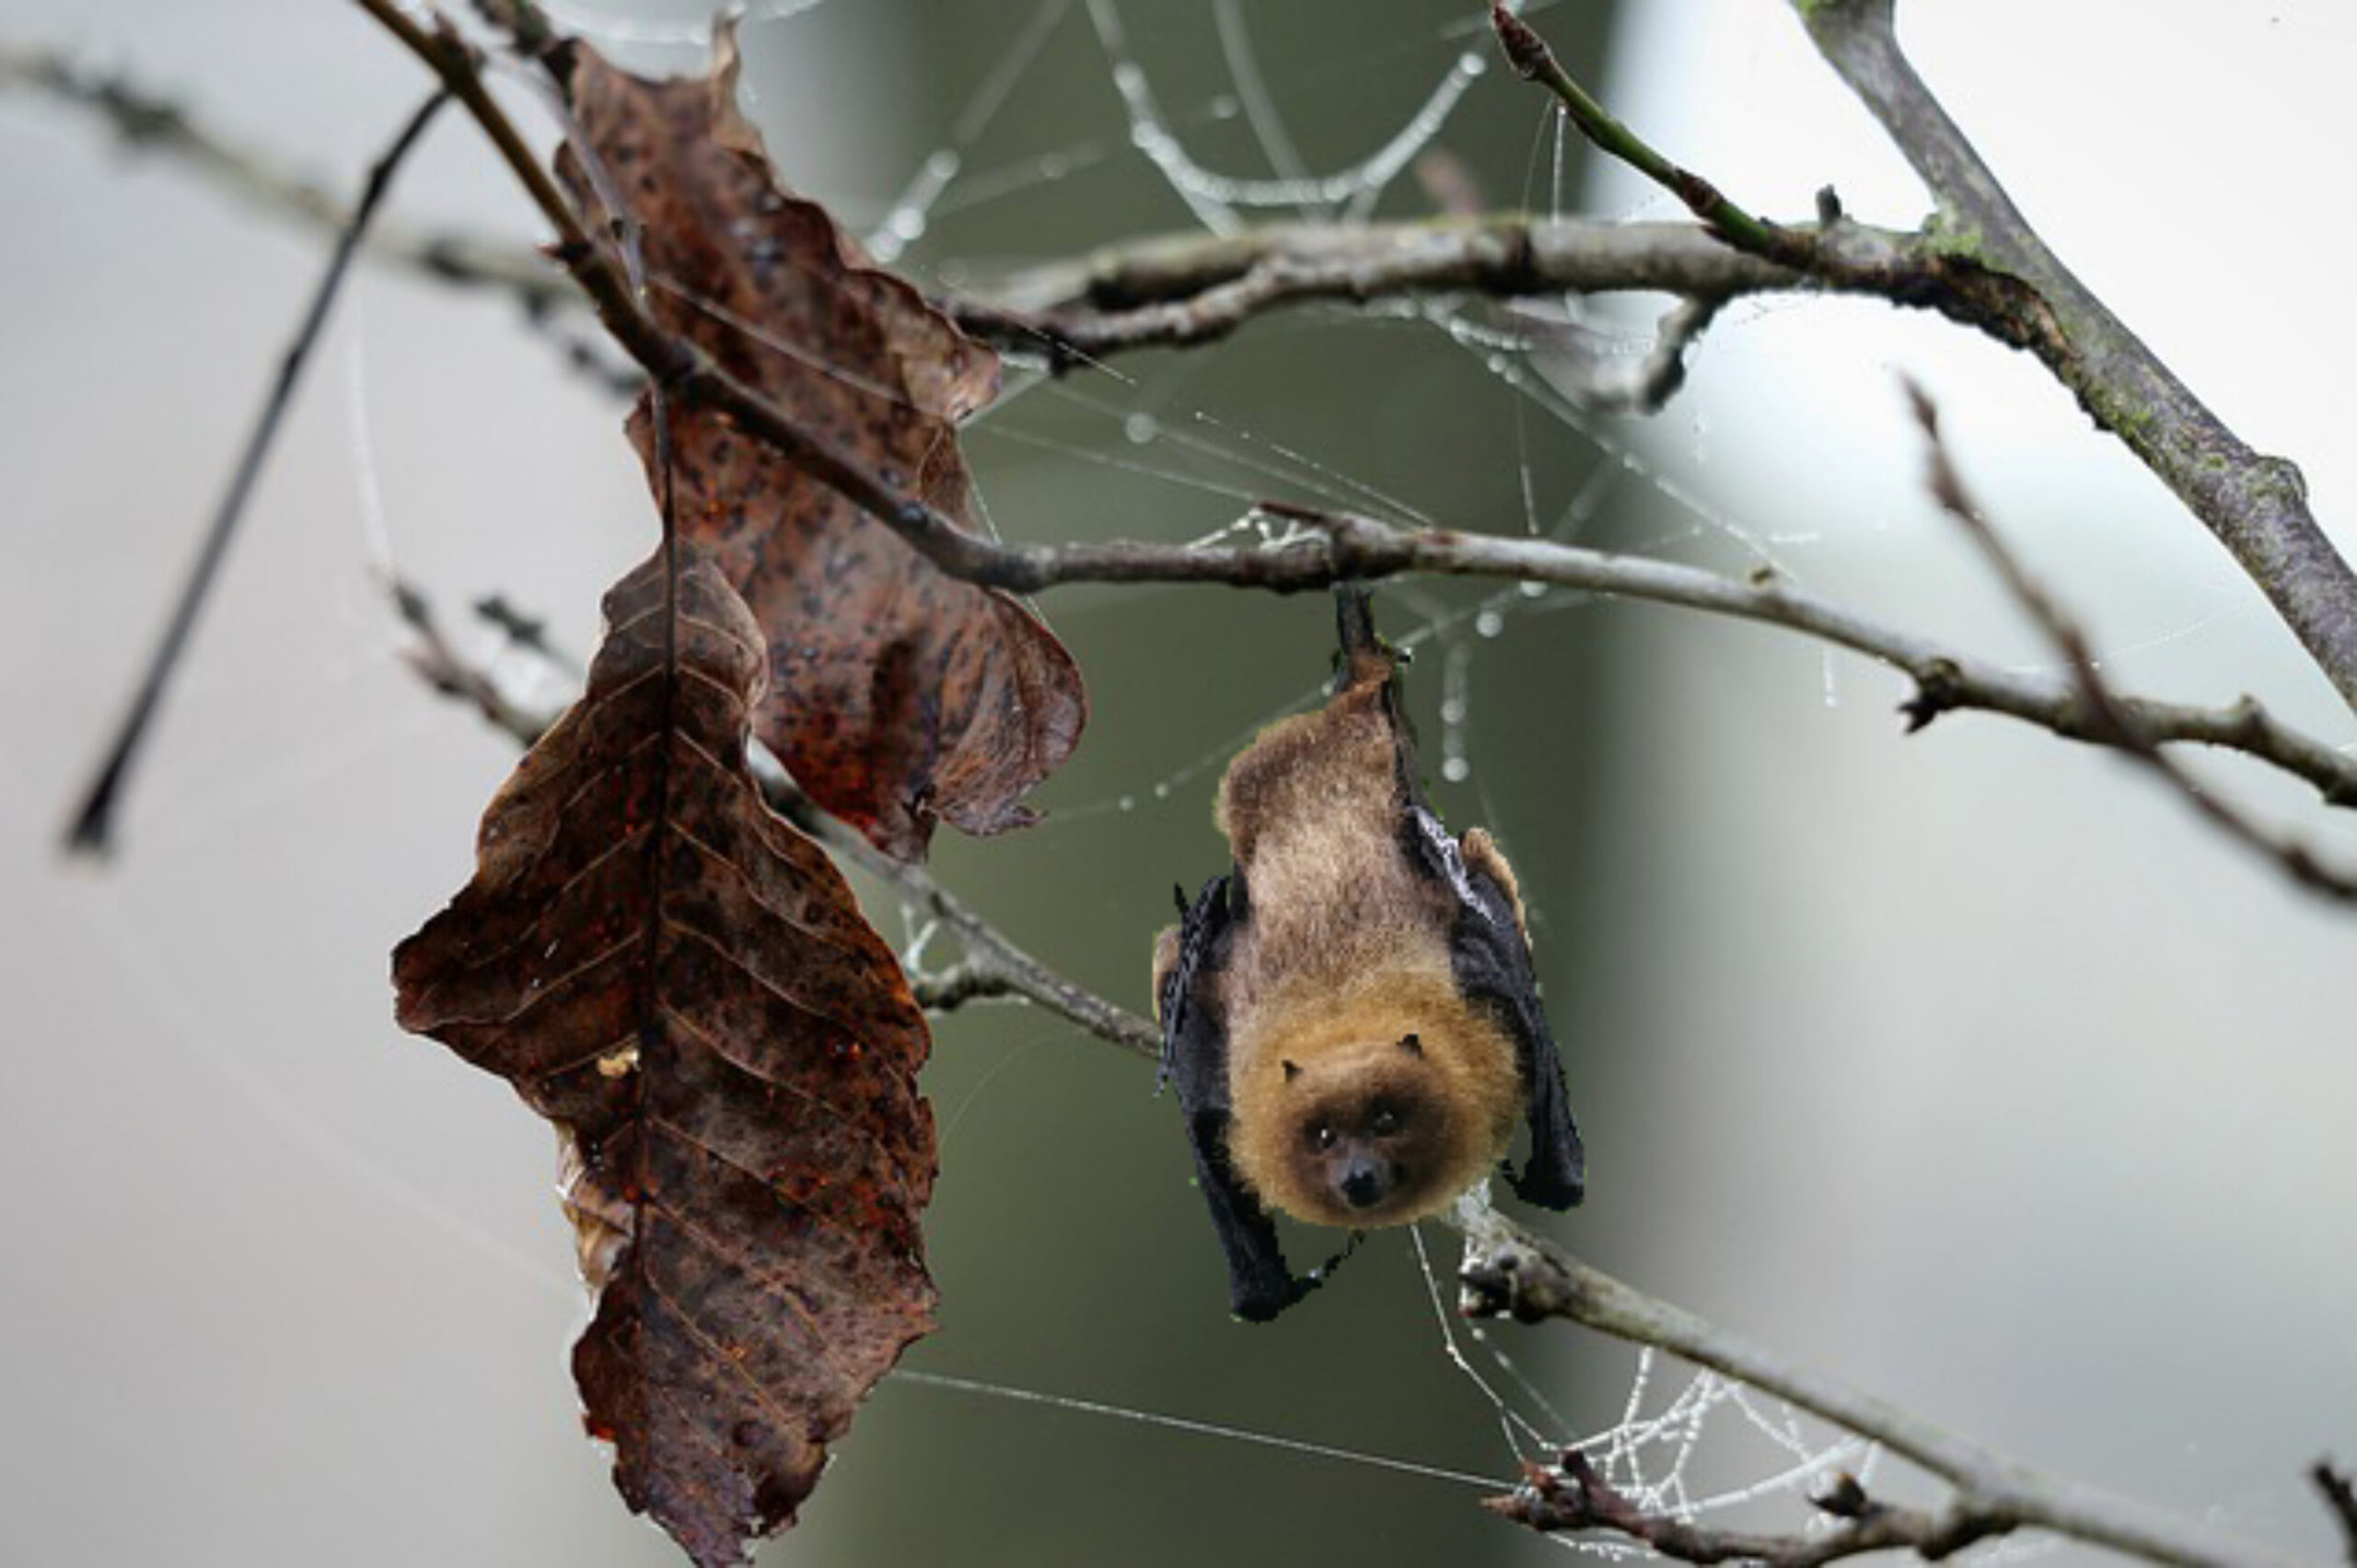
<point x="2255" y="505"/>
<point x="93" y="824"/>
<point x="152" y="122"/>
<point x="2341" y="1498"/>
<point x="1340" y="546"/>
<point x="993" y="966"/>
<point x="1980" y="265"/>
<point x="1534" y="60"/>
<point x="1511" y="1273"/>
<point x="2113" y="726"/>
<point x="1646" y="384"/>
<point x="1570" y="1496"/>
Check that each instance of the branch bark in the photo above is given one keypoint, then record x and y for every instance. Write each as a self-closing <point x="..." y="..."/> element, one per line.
<point x="1980" y="264"/>
<point x="2113" y="727"/>
<point x="1571" y="1496"/>
<point x="1511" y="1273"/>
<point x="2254" y="505"/>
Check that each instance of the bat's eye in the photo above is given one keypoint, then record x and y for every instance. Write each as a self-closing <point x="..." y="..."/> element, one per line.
<point x="1321" y="1136"/>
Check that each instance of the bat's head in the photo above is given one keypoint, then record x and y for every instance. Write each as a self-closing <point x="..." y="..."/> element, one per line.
<point x="1370" y="1136"/>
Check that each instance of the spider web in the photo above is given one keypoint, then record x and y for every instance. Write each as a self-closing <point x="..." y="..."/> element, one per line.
<point x="1205" y="121"/>
<point x="1148" y="432"/>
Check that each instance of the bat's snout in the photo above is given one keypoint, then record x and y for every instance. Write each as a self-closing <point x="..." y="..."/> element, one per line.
<point x="1364" y="1182"/>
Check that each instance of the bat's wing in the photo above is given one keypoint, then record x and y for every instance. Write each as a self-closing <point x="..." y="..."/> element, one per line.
<point x="1194" y="1057"/>
<point x="1490" y="960"/>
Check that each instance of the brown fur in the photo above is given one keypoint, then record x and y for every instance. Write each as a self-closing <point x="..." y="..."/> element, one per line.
<point x="1344" y="953"/>
<point x="1346" y="1050"/>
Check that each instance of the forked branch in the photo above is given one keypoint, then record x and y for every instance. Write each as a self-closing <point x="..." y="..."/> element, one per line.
<point x="1333" y="546"/>
<point x="2256" y="505"/>
<point x="1569" y="1497"/>
<point x="1511" y="1273"/>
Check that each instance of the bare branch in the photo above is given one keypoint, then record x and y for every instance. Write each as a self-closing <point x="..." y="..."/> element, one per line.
<point x="2113" y="726"/>
<point x="2340" y="1497"/>
<point x="1571" y="1496"/>
<point x="1340" y="547"/>
<point x="993" y="966"/>
<point x="1533" y="61"/>
<point x="1511" y="1273"/>
<point x="93" y="825"/>
<point x="2256" y="505"/>
<point x="151" y="123"/>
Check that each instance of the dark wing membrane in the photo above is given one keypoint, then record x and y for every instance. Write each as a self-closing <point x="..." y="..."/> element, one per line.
<point x="1492" y="965"/>
<point x="1194" y="1057"/>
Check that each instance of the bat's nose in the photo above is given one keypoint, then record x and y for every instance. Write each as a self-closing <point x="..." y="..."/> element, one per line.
<point x="1362" y="1183"/>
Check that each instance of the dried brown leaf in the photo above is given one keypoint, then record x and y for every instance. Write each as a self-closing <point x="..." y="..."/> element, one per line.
<point x="898" y="694"/>
<point x="684" y="984"/>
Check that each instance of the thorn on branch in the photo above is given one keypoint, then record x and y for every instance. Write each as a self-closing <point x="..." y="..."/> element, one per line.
<point x="1936" y="692"/>
<point x="952" y="988"/>
<point x="1514" y="1281"/>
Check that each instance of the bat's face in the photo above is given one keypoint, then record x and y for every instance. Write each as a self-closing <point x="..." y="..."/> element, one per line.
<point x="1371" y="1141"/>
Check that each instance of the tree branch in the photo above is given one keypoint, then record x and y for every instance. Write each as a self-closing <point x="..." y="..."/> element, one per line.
<point x="1533" y="61"/>
<point x="2006" y="281"/>
<point x="2113" y="726"/>
<point x="2341" y="1498"/>
<point x="992" y="965"/>
<point x="1511" y="1273"/>
<point x="1340" y="547"/>
<point x="150" y="122"/>
<point x="1571" y="1496"/>
<point x="92" y="829"/>
<point x="2255" y="505"/>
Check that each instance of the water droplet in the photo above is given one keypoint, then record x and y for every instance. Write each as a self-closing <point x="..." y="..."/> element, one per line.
<point x="1531" y="590"/>
<point x="1225" y="107"/>
<point x="1456" y="770"/>
<point x="1162" y="792"/>
<point x="906" y="224"/>
<point x="1453" y="711"/>
<point x="1127" y="802"/>
<point x="943" y="165"/>
<point x="1141" y="428"/>
<point x="1472" y="62"/>
<point x="1489" y="624"/>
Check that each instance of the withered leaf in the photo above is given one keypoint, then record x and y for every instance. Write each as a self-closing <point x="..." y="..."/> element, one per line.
<point x="898" y="694"/>
<point x="683" y="985"/>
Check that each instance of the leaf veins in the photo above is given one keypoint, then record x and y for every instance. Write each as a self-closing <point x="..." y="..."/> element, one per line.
<point x="682" y="982"/>
<point x="898" y="694"/>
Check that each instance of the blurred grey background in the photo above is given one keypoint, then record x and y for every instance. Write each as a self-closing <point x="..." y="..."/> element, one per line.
<point x="1966" y="1066"/>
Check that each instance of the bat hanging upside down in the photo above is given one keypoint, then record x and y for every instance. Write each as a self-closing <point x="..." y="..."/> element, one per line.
<point x="1350" y="1014"/>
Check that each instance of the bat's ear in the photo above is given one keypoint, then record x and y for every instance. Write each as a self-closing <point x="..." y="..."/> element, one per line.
<point x="1411" y="1045"/>
<point x="1292" y="1070"/>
